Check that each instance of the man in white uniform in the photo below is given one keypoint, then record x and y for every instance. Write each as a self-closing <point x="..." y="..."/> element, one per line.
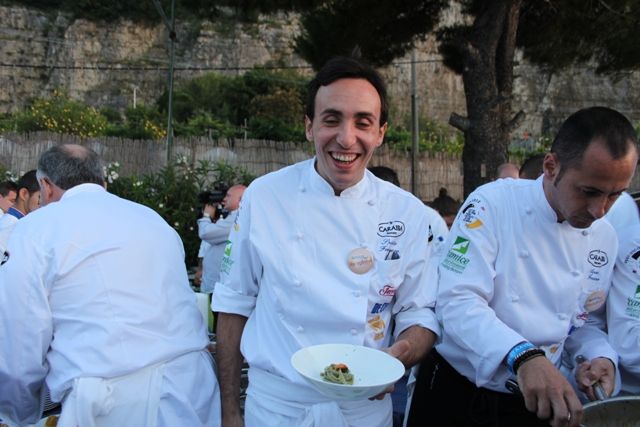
<point x="623" y="309"/>
<point x="216" y="234"/>
<point x="526" y="275"/>
<point x="323" y="252"/>
<point x="8" y="194"/>
<point x="27" y="200"/>
<point x="96" y="302"/>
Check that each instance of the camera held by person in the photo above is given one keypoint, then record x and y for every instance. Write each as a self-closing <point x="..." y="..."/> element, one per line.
<point x="213" y="198"/>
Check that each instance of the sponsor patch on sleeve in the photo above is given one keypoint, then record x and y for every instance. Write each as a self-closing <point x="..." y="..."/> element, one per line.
<point x="471" y="212"/>
<point x="456" y="259"/>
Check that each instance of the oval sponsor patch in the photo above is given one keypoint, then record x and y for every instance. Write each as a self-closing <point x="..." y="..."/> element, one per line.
<point x="391" y="229"/>
<point x="598" y="258"/>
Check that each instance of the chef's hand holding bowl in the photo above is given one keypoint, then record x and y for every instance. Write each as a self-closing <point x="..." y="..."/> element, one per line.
<point x="374" y="371"/>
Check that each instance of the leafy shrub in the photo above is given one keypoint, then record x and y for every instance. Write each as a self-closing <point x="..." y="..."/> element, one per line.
<point x="434" y="137"/>
<point x="173" y="193"/>
<point x="139" y="123"/>
<point x="60" y="114"/>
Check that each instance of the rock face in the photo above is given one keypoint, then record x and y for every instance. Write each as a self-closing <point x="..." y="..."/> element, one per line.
<point x="104" y="64"/>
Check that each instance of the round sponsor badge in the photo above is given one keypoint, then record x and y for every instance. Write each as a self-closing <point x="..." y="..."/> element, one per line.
<point x="594" y="300"/>
<point x="360" y="260"/>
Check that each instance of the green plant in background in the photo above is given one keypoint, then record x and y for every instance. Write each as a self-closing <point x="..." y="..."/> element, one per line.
<point x="173" y="192"/>
<point x="435" y="137"/>
<point x="526" y="145"/>
<point x="59" y="114"/>
<point x="141" y="122"/>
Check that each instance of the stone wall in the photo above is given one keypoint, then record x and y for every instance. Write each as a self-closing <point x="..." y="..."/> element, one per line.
<point x="102" y="64"/>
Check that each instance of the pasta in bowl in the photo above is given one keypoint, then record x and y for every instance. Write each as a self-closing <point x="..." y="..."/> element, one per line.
<point x="330" y="367"/>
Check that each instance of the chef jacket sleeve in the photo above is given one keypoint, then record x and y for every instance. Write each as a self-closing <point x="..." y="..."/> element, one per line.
<point x="236" y="291"/>
<point x="25" y="328"/>
<point x="466" y="288"/>
<point x="415" y="298"/>
<point x="217" y="232"/>
<point x="623" y="303"/>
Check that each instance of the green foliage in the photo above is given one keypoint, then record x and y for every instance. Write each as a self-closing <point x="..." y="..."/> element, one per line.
<point x="381" y="33"/>
<point x="139" y="123"/>
<point x="434" y="137"/>
<point x="173" y="193"/>
<point x="59" y="114"/>
<point x="559" y="34"/>
<point x="268" y="104"/>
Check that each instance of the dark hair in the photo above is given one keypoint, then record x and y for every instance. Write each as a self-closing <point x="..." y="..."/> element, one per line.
<point x="69" y="165"/>
<point x="532" y="166"/>
<point x="588" y="125"/>
<point x="29" y="181"/>
<point x="386" y="174"/>
<point x="6" y="187"/>
<point x="445" y="204"/>
<point x="342" y="67"/>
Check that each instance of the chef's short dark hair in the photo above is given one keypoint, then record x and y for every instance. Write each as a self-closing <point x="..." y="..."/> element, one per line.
<point x="68" y="165"/>
<point x="342" y="67"/>
<point x="29" y="182"/>
<point x="589" y="125"/>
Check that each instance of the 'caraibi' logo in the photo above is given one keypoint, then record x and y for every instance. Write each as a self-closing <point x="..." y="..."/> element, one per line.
<point x="391" y="229"/>
<point x="598" y="258"/>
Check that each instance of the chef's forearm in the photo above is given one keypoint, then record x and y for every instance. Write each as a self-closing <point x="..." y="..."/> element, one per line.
<point x="420" y="340"/>
<point x="229" y="360"/>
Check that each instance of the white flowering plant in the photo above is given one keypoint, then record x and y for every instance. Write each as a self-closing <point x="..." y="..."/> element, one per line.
<point x="173" y="192"/>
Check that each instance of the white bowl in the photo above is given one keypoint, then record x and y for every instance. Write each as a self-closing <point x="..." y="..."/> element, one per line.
<point x="373" y="370"/>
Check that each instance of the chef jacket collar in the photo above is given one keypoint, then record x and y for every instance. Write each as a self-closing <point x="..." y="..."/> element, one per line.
<point x="545" y="209"/>
<point x="318" y="183"/>
<point x="541" y="204"/>
<point x="82" y="188"/>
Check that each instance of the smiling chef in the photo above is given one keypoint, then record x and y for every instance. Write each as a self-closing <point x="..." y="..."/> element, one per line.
<point x="324" y="252"/>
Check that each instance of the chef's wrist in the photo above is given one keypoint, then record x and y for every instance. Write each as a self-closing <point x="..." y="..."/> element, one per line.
<point x="520" y="353"/>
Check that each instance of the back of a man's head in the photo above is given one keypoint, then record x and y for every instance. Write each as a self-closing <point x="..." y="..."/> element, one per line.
<point x="69" y="165"/>
<point x="385" y="173"/>
<point x="347" y="68"/>
<point x="592" y="124"/>
<point x="29" y="182"/>
<point x="532" y="167"/>
<point x="7" y="187"/>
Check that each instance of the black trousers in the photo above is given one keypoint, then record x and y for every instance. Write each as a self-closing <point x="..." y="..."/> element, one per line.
<point x="443" y="397"/>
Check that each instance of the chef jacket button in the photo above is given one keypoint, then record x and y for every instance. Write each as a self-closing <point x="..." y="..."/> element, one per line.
<point x="528" y="210"/>
<point x="354" y="331"/>
<point x="299" y="235"/>
<point x="562" y="316"/>
<point x="371" y="202"/>
<point x="524" y="254"/>
<point x="585" y="232"/>
<point x="575" y="273"/>
<point x="356" y="294"/>
<point x="300" y="329"/>
<point x="297" y="283"/>
<point x="515" y="298"/>
<point x="302" y="189"/>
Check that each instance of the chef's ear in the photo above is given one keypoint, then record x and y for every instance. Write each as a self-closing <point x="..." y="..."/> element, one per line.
<point x="308" y="128"/>
<point x="551" y="166"/>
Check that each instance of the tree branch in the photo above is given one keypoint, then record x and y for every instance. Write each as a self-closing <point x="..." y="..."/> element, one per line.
<point x="459" y="122"/>
<point x="515" y="121"/>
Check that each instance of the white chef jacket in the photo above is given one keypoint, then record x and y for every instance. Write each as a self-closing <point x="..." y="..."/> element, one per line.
<point x="285" y="267"/>
<point x="216" y="234"/>
<point x="623" y="309"/>
<point x="96" y="286"/>
<point x="513" y="273"/>
<point x="7" y="223"/>
<point x="623" y="213"/>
